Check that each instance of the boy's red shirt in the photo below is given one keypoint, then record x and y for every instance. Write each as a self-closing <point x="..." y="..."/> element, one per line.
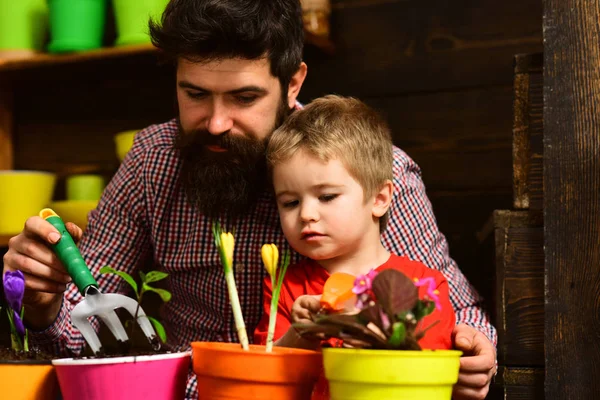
<point x="308" y="277"/>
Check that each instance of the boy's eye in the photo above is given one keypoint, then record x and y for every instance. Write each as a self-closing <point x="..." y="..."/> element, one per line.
<point x="327" y="197"/>
<point x="289" y="204"/>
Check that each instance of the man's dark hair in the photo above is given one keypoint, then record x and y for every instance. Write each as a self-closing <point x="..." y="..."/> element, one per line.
<point x="209" y="30"/>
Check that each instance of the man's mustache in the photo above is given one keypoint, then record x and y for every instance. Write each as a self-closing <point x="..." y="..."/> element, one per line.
<point x="201" y="138"/>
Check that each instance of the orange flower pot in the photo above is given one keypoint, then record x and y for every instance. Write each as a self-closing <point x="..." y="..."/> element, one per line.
<point x="26" y="380"/>
<point x="226" y="371"/>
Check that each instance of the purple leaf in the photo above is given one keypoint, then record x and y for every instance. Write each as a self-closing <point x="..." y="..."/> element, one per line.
<point x="14" y="288"/>
<point x="394" y="292"/>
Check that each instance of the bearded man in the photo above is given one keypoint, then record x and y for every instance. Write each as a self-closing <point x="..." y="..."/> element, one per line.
<point x="239" y="72"/>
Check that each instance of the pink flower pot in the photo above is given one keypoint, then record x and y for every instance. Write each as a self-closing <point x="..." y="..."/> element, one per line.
<point x="160" y="376"/>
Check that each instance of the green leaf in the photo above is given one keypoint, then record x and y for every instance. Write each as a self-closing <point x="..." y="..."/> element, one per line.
<point x="398" y="334"/>
<point x="142" y="276"/>
<point x="165" y="295"/>
<point x="154" y="276"/>
<point x="423" y="308"/>
<point x="128" y="278"/>
<point x="159" y="328"/>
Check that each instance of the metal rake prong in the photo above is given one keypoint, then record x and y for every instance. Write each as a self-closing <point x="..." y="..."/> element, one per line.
<point x="132" y="307"/>
<point x="113" y="323"/>
<point x="89" y="334"/>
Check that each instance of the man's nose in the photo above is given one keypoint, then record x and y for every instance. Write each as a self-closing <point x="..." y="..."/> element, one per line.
<point x="219" y="120"/>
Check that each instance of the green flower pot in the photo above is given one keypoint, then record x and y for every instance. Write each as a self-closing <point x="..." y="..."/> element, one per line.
<point x="132" y="19"/>
<point x="23" y="24"/>
<point x="391" y="374"/>
<point x="76" y="25"/>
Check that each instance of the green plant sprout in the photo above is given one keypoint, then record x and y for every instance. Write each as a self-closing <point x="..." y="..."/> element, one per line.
<point x="226" y="244"/>
<point x="270" y="257"/>
<point x="139" y="290"/>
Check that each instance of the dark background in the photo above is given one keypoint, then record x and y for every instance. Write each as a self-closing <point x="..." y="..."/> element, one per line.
<point x="441" y="71"/>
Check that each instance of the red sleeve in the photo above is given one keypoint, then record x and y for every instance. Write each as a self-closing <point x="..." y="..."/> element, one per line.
<point x="440" y="335"/>
<point x="284" y="316"/>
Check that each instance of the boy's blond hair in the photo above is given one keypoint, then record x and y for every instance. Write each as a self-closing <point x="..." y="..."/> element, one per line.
<point x="344" y="128"/>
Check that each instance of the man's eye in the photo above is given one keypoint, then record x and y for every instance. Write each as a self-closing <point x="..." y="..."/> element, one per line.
<point x="247" y="99"/>
<point x="196" y="95"/>
<point x="327" y="197"/>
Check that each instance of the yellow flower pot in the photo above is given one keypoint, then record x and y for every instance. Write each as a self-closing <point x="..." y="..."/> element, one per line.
<point x="123" y="142"/>
<point x="22" y="195"/>
<point x="75" y="211"/>
<point x="391" y="374"/>
<point x="26" y="380"/>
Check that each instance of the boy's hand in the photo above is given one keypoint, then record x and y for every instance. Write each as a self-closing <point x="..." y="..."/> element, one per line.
<point x="304" y="307"/>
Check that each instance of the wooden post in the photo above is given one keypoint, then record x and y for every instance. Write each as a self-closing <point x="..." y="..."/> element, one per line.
<point x="6" y="129"/>
<point x="572" y="198"/>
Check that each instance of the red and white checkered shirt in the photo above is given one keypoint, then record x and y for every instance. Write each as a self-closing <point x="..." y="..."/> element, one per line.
<point x="144" y="217"/>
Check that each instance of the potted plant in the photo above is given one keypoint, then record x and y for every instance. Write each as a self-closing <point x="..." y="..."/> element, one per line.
<point x="385" y="361"/>
<point x="24" y="373"/>
<point x="245" y="371"/>
<point x="150" y="374"/>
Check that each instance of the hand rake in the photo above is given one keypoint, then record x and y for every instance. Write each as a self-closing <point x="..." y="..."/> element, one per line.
<point x="94" y="302"/>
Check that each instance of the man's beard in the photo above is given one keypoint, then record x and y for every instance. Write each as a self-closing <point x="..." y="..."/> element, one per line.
<point x="225" y="183"/>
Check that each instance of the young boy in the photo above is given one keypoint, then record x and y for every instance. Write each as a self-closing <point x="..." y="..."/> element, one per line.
<point x="331" y="166"/>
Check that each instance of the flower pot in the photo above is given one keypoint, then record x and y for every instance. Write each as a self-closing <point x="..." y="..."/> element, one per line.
<point x="26" y="380"/>
<point x="22" y="26"/>
<point x="123" y="143"/>
<point x="226" y="371"/>
<point x="75" y="211"/>
<point x="76" y="25"/>
<point x="391" y="374"/>
<point x="132" y="19"/>
<point x="159" y="376"/>
<point x="23" y="194"/>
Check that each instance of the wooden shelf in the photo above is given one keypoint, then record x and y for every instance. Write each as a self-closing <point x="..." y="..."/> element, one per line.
<point x="4" y="240"/>
<point x="45" y="59"/>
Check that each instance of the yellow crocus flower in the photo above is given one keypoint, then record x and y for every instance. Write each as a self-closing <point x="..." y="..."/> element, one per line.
<point x="228" y="244"/>
<point x="270" y="257"/>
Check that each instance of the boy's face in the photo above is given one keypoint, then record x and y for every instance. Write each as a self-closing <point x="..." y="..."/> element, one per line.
<point x="323" y="211"/>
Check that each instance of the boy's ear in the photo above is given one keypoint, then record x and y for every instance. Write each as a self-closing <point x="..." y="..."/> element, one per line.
<point x="296" y="84"/>
<point x="383" y="199"/>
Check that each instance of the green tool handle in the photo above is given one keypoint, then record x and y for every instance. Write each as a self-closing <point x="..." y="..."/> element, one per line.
<point x="69" y="254"/>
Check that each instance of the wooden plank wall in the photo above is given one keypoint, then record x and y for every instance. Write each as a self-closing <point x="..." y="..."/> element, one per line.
<point x="443" y="74"/>
<point x="440" y="71"/>
<point x="571" y="198"/>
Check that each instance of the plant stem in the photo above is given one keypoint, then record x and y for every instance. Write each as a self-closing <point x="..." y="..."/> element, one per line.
<point x="15" y="339"/>
<point x="276" y="285"/>
<point x="273" y="315"/>
<point x="237" y="309"/>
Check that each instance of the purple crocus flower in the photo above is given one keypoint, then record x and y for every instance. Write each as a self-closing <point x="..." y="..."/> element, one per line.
<point x="432" y="292"/>
<point x="14" y="289"/>
<point x="19" y="324"/>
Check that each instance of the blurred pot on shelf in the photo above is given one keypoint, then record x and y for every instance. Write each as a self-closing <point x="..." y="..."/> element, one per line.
<point x="23" y="27"/>
<point x="76" y="25"/>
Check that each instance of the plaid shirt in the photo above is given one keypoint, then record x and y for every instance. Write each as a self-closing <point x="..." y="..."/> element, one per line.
<point x="144" y="217"/>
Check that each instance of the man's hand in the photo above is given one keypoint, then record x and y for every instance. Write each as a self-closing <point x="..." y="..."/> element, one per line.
<point x="477" y="365"/>
<point x="45" y="276"/>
